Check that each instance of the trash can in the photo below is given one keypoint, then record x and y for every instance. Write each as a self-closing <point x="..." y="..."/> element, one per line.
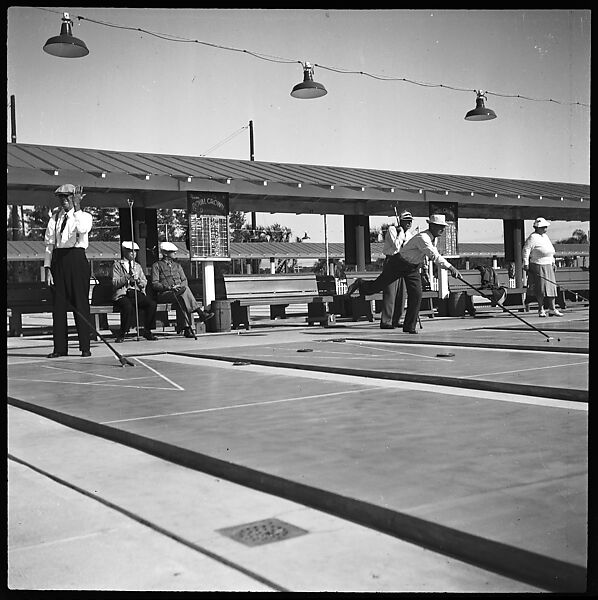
<point x="222" y="316"/>
<point x="457" y="302"/>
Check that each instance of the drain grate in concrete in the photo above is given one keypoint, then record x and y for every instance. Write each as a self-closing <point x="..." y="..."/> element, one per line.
<point x="262" y="532"/>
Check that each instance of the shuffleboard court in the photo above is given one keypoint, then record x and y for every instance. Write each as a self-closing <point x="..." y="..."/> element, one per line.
<point x="461" y="472"/>
<point x="554" y="375"/>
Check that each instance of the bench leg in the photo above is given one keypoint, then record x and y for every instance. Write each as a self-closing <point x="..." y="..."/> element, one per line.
<point x="318" y="313"/>
<point x="278" y="311"/>
<point x="239" y="315"/>
<point x="360" y="307"/>
<point x="15" y="324"/>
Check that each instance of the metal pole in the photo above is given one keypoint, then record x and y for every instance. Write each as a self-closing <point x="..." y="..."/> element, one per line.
<point x="133" y="243"/>
<point x="251" y="157"/>
<point x="548" y="338"/>
<point x="13" y="120"/>
<point x="326" y="246"/>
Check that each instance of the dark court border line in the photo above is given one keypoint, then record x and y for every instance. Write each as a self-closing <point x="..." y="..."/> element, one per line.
<point x="476" y="384"/>
<point x="547" y="330"/>
<point x="503" y="559"/>
<point x="151" y="525"/>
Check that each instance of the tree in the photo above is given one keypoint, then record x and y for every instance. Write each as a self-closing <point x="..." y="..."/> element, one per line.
<point x="172" y="224"/>
<point x="106" y="224"/>
<point x="13" y="224"/>
<point x="36" y="219"/>
<point x="579" y="236"/>
<point x="236" y="221"/>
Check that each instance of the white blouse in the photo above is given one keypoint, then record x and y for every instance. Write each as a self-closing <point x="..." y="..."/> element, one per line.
<point x="538" y="249"/>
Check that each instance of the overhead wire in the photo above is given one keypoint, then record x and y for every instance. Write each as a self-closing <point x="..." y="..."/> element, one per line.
<point x="224" y="141"/>
<point x="277" y="59"/>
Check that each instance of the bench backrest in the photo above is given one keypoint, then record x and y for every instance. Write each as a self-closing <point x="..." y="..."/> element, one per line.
<point x="248" y="286"/>
<point x="471" y="276"/>
<point x="32" y="293"/>
<point x="573" y="276"/>
<point x="367" y="275"/>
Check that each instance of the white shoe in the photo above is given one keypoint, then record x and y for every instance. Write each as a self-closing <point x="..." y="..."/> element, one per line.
<point x="556" y="313"/>
<point x="542" y="313"/>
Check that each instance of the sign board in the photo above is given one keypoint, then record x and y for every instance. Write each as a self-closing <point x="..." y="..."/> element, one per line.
<point x="447" y="243"/>
<point x="208" y="224"/>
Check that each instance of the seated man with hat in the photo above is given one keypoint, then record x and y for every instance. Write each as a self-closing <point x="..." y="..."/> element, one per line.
<point x="128" y="284"/>
<point x="406" y="264"/>
<point x="170" y="284"/>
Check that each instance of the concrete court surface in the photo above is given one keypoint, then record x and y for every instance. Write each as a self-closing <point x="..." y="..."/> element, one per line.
<point x="427" y="482"/>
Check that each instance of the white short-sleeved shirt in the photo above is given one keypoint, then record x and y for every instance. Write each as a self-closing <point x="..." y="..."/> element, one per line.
<point x="74" y="235"/>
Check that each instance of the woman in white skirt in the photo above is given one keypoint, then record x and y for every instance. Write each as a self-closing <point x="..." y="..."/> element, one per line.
<point x="538" y="261"/>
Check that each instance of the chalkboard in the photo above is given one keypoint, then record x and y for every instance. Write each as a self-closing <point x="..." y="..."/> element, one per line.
<point x="208" y="224"/>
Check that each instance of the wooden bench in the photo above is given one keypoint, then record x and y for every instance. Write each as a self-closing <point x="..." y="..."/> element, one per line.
<point x="361" y="306"/>
<point x="569" y="280"/>
<point x="515" y="296"/>
<point x="36" y="297"/>
<point x="26" y="298"/>
<point x="102" y="306"/>
<point x="277" y="291"/>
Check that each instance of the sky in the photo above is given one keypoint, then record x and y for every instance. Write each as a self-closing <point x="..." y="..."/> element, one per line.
<point x="137" y="92"/>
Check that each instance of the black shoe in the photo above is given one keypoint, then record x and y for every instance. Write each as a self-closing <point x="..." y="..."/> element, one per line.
<point x="355" y="286"/>
<point x="85" y="353"/>
<point x="386" y="326"/>
<point x="119" y="339"/>
<point x="56" y="355"/>
<point x="150" y="337"/>
<point x="206" y="316"/>
<point x="188" y="333"/>
<point x="412" y="331"/>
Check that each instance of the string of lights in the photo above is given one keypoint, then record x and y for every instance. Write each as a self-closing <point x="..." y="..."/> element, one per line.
<point x="310" y="89"/>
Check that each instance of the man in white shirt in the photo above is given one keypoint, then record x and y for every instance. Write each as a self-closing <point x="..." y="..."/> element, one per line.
<point x="393" y="295"/>
<point x="67" y="269"/>
<point x="406" y="264"/>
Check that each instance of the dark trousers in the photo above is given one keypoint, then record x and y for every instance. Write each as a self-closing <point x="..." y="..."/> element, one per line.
<point x="395" y="268"/>
<point x="184" y="318"/>
<point x="126" y="306"/>
<point x="393" y="299"/>
<point x="70" y="271"/>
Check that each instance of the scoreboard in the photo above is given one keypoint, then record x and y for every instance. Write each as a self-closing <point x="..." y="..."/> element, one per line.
<point x="209" y="235"/>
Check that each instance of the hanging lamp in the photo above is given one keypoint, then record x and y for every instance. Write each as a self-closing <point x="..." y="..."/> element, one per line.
<point x="480" y="112"/>
<point x="66" y="45"/>
<point x="308" y="88"/>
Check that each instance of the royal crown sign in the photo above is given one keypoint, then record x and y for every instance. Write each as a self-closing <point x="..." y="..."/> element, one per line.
<point x="208" y="224"/>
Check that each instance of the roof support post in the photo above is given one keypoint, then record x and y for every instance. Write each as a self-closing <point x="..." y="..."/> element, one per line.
<point x="513" y="234"/>
<point x="357" y="241"/>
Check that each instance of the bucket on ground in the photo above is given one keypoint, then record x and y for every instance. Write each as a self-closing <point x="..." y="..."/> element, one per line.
<point x="222" y="316"/>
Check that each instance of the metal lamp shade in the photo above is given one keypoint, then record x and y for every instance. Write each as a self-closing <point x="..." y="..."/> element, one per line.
<point x="308" y="88"/>
<point x="480" y="112"/>
<point x="66" y="45"/>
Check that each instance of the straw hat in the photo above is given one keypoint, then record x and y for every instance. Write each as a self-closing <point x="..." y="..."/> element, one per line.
<point x="437" y="220"/>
